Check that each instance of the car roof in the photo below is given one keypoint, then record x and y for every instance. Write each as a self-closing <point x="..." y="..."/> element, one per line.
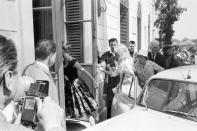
<point x="182" y="73"/>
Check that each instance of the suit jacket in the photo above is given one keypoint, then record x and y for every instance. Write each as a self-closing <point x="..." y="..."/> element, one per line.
<point x="37" y="72"/>
<point x="159" y="59"/>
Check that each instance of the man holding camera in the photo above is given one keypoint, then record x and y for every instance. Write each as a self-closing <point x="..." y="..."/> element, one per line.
<point x="51" y="120"/>
<point x="45" y="52"/>
<point x="50" y="115"/>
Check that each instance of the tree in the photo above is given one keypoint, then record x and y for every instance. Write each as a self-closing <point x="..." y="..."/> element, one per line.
<point x="168" y="12"/>
<point x="185" y="39"/>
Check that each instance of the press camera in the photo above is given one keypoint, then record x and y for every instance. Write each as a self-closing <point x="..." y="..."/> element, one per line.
<point x="29" y="109"/>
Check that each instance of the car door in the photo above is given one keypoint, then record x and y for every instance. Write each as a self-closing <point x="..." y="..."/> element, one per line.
<point x="124" y="101"/>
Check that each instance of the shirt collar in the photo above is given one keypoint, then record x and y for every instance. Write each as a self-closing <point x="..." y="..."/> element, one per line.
<point x="9" y="112"/>
<point x="112" y="53"/>
<point x="43" y="65"/>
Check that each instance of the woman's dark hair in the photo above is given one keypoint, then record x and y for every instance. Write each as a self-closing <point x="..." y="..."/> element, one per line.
<point x="44" y="48"/>
<point x="8" y="56"/>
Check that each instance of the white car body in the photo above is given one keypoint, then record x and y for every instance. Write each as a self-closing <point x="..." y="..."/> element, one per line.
<point x="141" y="118"/>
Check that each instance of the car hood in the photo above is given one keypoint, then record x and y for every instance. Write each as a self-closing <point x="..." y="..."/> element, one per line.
<point x="141" y="119"/>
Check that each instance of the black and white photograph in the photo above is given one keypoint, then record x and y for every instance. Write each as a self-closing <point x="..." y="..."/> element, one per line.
<point x="98" y="65"/>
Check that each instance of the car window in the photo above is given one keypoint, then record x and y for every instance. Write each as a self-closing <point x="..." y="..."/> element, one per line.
<point x="127" y="87"/>
<point x="183" y="97"/>
<point x="157" y="93"/>
<point x="171" y="95"/>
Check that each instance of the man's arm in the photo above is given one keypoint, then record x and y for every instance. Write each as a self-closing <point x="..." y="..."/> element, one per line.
<point x="156" y="67"/>
<point x="163" y="61"/>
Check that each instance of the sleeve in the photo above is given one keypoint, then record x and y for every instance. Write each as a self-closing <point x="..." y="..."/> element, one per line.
<point x="163" y="61"/>
<point x="178" y="61"/>
<point x="156" y="67"/>
<point x="103" y="57"/>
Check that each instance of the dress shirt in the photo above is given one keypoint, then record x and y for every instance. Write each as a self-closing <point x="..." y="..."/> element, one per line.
<point x="43" y="65"/>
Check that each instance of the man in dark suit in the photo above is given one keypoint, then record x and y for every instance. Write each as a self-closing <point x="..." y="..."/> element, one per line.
<point x="108" y="58"/>
<point x="154" y="55"/>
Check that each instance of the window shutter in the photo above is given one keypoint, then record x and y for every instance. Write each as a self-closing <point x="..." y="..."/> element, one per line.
<point x="124" y="24"/>
<point x="74" y="28"/>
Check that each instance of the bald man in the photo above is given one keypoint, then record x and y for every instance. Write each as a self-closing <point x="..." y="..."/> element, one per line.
<point x="154" y="54"/>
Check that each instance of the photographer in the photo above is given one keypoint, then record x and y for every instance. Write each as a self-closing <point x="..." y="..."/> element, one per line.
<point x="51" y="120"/>
<point x="39" y="70"/>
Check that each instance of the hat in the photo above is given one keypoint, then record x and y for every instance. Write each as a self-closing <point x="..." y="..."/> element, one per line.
<point x="143" y="53"/>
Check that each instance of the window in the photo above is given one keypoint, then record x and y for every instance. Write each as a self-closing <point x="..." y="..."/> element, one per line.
<point x="157" y="93"/>
<point x="124" y="22"/>
<point x="42" y="20"/>
<point x="171" y="95"/>
<point x="139" y="25"/>
<point x="74" y="28"/>
<point x="182" y="97"/>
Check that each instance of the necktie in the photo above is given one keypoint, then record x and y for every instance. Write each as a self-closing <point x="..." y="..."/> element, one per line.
<point x="154" y="56"/>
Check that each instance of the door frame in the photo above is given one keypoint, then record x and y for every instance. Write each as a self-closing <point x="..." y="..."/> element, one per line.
<point x="58" y="37"/>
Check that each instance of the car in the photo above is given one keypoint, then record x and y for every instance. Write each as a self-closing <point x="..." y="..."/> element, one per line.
<point x="167" y="102"/>
<point x="76" y="125"/>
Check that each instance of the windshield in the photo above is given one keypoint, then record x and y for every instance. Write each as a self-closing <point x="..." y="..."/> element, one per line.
<point x="171" y="96"/>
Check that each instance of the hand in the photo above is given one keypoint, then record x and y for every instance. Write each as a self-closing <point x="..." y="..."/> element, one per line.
<point x="115" y="90"/>
<point x="100" y="67"/>
<point x="50" y="115"/>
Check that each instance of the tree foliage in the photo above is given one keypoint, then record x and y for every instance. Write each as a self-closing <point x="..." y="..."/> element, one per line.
<point x="168" y="12"/>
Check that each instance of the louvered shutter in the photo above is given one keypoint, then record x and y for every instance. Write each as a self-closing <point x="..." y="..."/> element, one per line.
<point x="74" y="28"/>
<point x="124" y="24"/>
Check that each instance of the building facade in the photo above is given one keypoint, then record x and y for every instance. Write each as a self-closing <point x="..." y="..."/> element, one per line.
<point x="17" y="23"/>
<point x="126" y="20"/>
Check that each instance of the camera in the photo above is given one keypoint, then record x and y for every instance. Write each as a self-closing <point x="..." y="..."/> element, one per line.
<point x="29" y="109"/>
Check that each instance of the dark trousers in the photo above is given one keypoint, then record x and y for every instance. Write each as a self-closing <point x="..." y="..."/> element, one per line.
<point x="109" y="105"/>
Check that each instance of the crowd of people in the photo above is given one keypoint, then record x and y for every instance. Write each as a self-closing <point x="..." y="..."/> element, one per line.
<point x="122" y="64"/>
